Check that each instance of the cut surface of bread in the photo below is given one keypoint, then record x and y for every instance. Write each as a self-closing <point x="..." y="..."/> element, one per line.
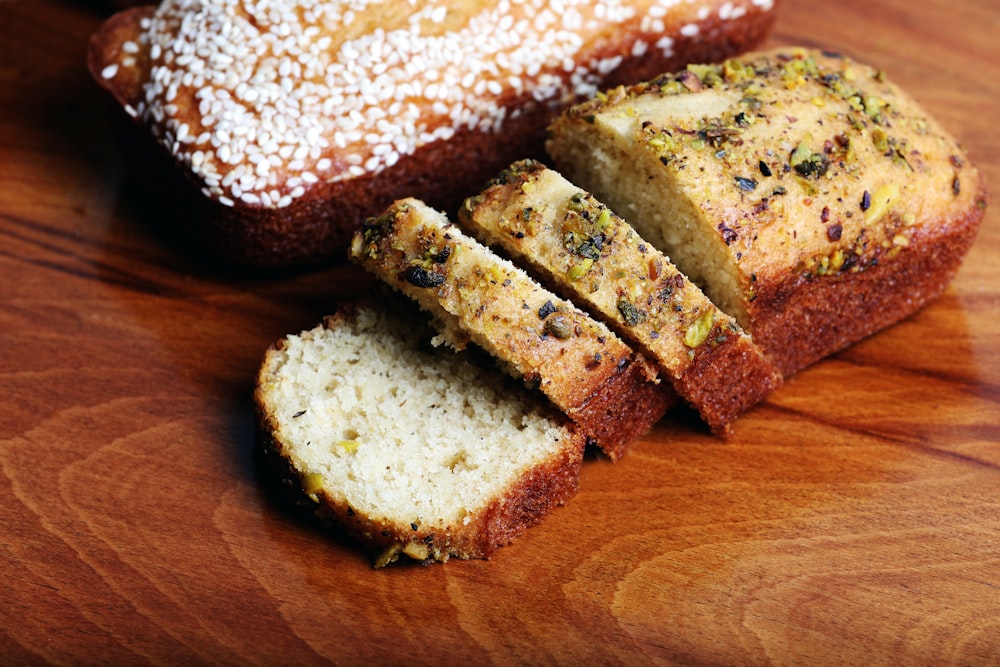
<point x="590" y="255"/>
<point x="476" y="296"/>
<point x="412" y="450"/>
<point x="810" y="197"/>
<point x="295" y="120"/>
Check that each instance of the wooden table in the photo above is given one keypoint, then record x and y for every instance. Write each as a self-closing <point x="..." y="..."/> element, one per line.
<point x="854" y="519"/>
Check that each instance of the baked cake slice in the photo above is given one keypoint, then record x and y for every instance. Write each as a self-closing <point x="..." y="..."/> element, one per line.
<point x="577" y="246"/>
<point x="810" y="197"/>
<point x="476" y="296"/>
<point x="413" y="451"/>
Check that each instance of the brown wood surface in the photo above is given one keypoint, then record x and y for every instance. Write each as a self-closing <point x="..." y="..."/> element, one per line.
<point x="854" y="518"/>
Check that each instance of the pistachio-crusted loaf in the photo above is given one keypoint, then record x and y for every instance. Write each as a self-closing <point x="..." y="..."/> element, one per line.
<point x="475" y="295"/>
<point x="296" y="119"/>
<point x="414" y="451"/>
<point x="811" y="198"/>
<point x="593" y="257"/>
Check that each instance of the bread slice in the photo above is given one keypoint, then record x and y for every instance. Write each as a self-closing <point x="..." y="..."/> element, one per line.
<point x="293" y="121"/>
<point x="593" y="257"/>
<point x="474" y="295"/>
<point x="413" y="451"/>
<point x="811" y="198"/>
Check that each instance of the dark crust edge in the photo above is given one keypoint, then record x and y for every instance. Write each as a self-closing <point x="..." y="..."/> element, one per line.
<point x="317" y="227"/>
<point x="624" y="402"/>
<point x="726" y="379"/>
<point x="726" y="375"/>
<point x="527" y="501"/>
<point x="625" y="407"/>
<point x="794" y="323"/>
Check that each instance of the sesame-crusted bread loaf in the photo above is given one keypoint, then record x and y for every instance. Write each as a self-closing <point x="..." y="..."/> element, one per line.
<point x="411" y="450"/>
<point x="296" y="119"/>
<point x="811" y="198"/>
<point x="590" y="255"/>
<point x="476" y="296"/>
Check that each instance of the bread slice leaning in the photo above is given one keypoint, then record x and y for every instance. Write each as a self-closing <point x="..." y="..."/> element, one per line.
<point x="811" y="198"/>
<point x="476" y="296"/>
<point x="414" y="451"/>
<point x="580" y="248"/>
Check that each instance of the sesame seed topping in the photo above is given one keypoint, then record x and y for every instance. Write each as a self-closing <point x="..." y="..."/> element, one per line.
<point x="281" y="86"/>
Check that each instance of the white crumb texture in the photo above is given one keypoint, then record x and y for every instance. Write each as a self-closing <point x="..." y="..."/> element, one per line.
<point x="288" y="93"/>
<point x="400" y="435"/>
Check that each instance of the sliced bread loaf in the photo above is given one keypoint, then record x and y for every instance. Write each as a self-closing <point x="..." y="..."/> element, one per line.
<point x="411" y="450"/>
<point x="590" y="255"/>
<point x="811" y="198"/>
<point x="474" y="295"/>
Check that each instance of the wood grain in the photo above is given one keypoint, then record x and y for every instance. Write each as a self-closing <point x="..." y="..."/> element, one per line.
<point x="854" y="519"/>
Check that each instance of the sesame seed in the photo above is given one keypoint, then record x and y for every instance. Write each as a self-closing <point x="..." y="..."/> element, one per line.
<point x="690" y="30"/>
<point x="109" y="72"/>
<point x="281" y="86"/>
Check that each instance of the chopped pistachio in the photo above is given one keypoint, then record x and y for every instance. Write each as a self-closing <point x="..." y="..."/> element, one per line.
<point x="417" y="550"/>
<point x="311" y="484"/>
<point x="630" y="313"/>
<point x="836" y="260"/>
<point x="390" y="555"/>
<point x="581" y="268"/>
<point x="735" y="71"/>
<point x="699" y="329"/>
<point x="881" y="202"/>
<point x="558" y="326"/>
<point x="806" y="163"/>
<point x="880" y="139"/>
<point x="349" y="446"/>
<point x="603" y="219"/>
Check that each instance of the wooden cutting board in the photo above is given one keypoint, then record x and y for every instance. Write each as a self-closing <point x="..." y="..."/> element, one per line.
<point x="854" y="518"/>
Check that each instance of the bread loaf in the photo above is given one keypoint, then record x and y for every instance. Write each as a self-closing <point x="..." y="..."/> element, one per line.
<point x="296" y="119"/>
<point x="597" y="260"/>
<point x="474" y="295"/>
<point x="809" y="196"/>
<point x="412" y="451"/>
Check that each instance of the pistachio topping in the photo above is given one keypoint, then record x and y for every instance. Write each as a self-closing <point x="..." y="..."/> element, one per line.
<point x="630" y="313"/>
<point x="311" y="484"/>
<point x="697" y="333"/>
<point x="881" y="202"/>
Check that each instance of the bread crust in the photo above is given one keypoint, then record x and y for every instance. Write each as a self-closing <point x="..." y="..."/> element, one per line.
<point x="845" y="308"/>
<point x="527" y="502"/>
<point x="827" y="203"/>
<point x="584" y="251"/>
<point x="316" y="226"/>
<point x="524" y="502"/>
<point x="474" y="295"/>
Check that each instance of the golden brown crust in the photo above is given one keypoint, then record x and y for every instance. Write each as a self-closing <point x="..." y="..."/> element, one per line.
<point x="866" y="301"/>
<point x="584" y="251"/>
<point x="317" y="226"/>
<point x="624" y="408"/>
<point x="827" y="204"/>
<point x="525" y="502"/>
<point x="583" y="368"/>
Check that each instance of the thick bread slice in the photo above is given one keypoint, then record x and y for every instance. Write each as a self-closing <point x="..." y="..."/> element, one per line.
<point x="593" y="257"/>
<point x="411" y="450"/>
<point x="294" y="120"/>
<point x="810" y="197"/>
<point x="474" y="295"/>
